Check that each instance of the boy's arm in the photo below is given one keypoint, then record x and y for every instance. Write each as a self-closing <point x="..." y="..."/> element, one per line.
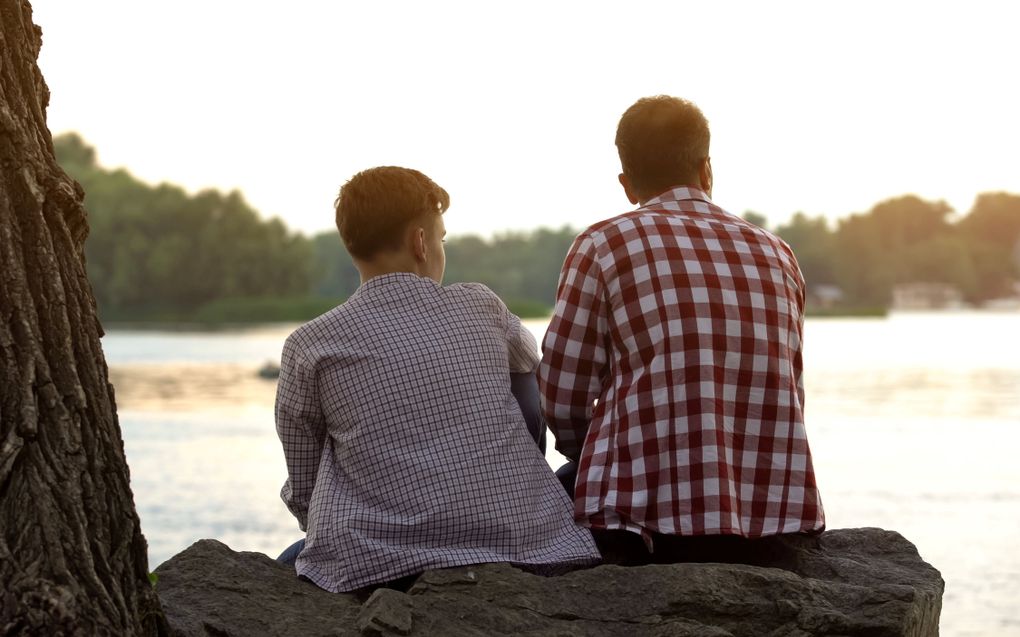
<point x="573" y="352"/>
<point x="522" y="355"/>
<point x="302" y="430"/>
<point x="522" y="349"/>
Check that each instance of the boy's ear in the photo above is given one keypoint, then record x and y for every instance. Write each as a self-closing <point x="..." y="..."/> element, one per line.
<point x="418" y="244"/>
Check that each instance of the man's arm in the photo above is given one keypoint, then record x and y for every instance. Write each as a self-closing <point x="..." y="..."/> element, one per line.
<point x="302" y="430"/>
<point x="574" y="356"/>
<point x="798" y="358"/>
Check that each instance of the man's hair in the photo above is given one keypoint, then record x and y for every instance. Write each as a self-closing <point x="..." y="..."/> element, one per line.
<point x="375" y="207"/>
<point x="662" y="142"/>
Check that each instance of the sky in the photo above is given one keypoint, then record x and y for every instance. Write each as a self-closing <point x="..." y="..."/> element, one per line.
<point x="820" y="107"/>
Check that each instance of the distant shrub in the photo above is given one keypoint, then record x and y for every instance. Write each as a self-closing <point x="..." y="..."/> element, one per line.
<point x="525" y="308"/>
<point x="263" y="310"/>
<point x="855" y="311"/>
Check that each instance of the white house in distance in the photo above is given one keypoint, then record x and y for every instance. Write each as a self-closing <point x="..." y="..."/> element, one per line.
<point x="926" y="296"/>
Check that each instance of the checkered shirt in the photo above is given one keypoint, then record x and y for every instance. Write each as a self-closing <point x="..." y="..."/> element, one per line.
<point x="405" y="449"/>
<point x="671" y="371"/>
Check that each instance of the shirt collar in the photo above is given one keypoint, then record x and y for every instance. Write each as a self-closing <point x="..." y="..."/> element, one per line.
<point x="680" y="193"/>
<point x="378" y="282"/>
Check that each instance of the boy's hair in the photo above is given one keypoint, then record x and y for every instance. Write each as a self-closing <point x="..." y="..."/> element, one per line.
<point x="375" y="207"/>
<point x="662" y="142"/>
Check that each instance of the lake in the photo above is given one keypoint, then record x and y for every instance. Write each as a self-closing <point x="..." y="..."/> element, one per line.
<point x="914" y="422"/>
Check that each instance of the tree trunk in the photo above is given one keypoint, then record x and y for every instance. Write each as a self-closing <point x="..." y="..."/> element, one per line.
<point x="72" y="555"/>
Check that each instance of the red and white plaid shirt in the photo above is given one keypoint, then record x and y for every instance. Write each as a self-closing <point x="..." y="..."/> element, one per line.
<point x="671" y="371"/>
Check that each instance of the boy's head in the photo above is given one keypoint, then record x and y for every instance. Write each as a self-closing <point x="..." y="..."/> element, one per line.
<point x="390" y="219"/>
<point x="663" y="142"/>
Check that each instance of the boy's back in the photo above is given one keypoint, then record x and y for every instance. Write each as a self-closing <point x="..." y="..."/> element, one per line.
<point x="406" y="449"/>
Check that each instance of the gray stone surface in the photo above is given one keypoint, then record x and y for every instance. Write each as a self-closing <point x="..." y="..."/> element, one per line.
<point x="865" y="582"/>
<point x="386" y="611"/>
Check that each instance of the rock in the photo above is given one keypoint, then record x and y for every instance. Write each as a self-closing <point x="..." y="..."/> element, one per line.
<point x="385" y="611"/>
<point x="843" y="582"/>
<point x="269" y="371"/>
<point x="209" y="589"/>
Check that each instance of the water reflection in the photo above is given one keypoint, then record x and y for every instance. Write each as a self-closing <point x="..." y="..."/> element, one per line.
<point x="187" y="387"/>
<point x="912" y="420"/>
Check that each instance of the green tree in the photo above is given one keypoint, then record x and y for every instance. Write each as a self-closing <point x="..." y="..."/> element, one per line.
<point x="992" y="232"/>
<point x="875" y="251"/>
<point x="756" y="218"/>
<point x="157" y="248"/>
<point x="522" y="267"/>
<point x="812" y="241"/>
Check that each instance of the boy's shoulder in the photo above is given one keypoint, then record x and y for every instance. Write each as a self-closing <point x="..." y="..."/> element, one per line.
<point x="319" y="328"/>
<point x="475" y="294"/>
<point x="469" y="288"/>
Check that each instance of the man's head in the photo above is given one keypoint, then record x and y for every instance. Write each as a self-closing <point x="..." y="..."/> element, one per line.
<point x="391" y="220"/>
<point x="663" y="142"/>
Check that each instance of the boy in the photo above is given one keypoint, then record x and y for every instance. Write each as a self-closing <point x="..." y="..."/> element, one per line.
<point x="405" y="448"/>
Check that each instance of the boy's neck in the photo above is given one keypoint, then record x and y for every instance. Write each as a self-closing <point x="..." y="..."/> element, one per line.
<point x="387" y="263"/>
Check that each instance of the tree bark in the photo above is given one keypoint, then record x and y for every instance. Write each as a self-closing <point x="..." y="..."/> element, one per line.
<point x="72" y="555"/>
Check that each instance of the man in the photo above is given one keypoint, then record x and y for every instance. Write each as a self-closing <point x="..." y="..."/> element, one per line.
<point x="405" y="448"/>
<point x="671" y="370"/>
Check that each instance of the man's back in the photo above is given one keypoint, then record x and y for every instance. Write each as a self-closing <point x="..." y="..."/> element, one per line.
<point x="683" y="323"/>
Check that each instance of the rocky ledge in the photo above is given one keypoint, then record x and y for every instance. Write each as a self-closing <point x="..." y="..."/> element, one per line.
<point x="844" y="582"/>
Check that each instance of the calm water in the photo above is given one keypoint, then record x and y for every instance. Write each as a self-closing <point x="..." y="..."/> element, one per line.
<point x="914" y="422"/>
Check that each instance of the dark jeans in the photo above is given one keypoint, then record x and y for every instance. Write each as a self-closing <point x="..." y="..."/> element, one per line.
<point x="629" y="549"/>
<point x="290" y="554"/>
<point x="568" y="475"/>
<point x="524" y="387"/>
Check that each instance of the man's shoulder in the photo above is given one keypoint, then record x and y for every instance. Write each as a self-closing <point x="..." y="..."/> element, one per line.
<point x="708" y="212"/>
<point x="600" y="237"/>
<point x="609" y="225"/>
<point x="606" y="240"/>
<point x="765" y="237"/>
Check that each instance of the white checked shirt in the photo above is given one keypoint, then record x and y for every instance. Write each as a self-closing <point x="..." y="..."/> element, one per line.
<point x="405" y="449"/>
<point x="672" y="371"/>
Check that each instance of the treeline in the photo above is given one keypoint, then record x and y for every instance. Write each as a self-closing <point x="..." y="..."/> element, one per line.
<point x="910" y="240"/>
<point x="156" y="253"/>
<point x="522" y="267"/>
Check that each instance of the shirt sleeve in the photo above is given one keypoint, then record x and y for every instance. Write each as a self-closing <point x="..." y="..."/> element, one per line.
<point x="574" y="355"/>
<point x="302" y="430"/>
<point x="522" y="350"/>
<point x="798" y="357"/>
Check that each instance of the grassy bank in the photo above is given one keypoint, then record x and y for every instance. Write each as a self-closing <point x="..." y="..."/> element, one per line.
<point x="225" y="312"/>
<point x="846" y="312"/>
<point x="250" y="311"/>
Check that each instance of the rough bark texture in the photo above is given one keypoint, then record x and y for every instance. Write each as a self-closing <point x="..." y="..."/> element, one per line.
<point x="863" y="582"/>
<point x="72" y="556"/>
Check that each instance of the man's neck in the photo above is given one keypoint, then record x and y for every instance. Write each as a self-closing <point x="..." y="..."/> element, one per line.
<point x="644" y="199"/>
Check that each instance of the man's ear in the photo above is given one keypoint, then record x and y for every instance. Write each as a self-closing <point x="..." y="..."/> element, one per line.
<point x="627" y="188"/>
<point x="706" y="176"/>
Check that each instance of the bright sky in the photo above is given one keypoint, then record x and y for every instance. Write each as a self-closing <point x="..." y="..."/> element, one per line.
<point x="821" y="107"/>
